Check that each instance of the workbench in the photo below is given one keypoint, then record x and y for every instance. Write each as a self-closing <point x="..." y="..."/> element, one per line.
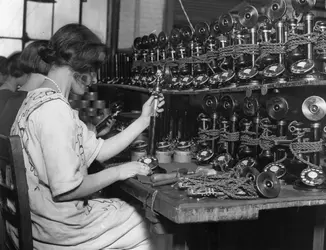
<point x="177" y="207"/>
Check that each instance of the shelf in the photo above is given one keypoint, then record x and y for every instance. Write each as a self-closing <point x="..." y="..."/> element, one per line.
<point x="278" y="85"/>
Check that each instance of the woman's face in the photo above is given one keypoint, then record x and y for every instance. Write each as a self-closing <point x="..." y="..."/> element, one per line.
<point x="81" y="82"/>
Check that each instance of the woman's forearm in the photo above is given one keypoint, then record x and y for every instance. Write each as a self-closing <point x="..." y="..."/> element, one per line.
<point x="119" y="142"/>
<point x="92" y="184"/>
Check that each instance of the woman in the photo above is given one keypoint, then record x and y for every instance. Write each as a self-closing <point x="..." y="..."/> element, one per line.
<point x="58" y="149"/>
<point x="16" y="77"/>
<point x="30" y="64"/>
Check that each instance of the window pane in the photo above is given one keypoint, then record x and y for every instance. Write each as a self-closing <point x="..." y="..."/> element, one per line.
<point x="65" y="12"/>
<point x="39" y="20"/>
<point x="8" y="46"/>
<point x="94" y="17"/>
<point x="11" y="18"/>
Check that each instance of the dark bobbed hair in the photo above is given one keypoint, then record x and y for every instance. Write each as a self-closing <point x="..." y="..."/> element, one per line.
<point x="3" y="65"/>
<point x="13" y="66"/>
<point x="76" y="46"/>
<point x="31" y="62"/>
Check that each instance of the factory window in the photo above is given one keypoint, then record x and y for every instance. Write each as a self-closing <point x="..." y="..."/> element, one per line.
<point x="43" y="18"/>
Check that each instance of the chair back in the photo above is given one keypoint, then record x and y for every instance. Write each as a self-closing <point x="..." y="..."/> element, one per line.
<point x="14" y="201"/>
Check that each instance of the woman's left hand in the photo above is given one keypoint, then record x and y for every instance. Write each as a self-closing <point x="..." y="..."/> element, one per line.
<point x="148" y="107"/>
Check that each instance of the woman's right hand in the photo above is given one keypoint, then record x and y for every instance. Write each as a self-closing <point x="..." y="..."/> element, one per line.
<point x="131" y="169"/>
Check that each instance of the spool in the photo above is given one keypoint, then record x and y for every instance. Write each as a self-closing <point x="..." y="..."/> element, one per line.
<point x="74" y="103"/>
<point x="314" y="108"/>
<point x="136" y="155"/>
<point x="91" y="111"/>
<point x="163" y="152"/>
<point x="182" y="156"/>
<point x="83" y="104"/>
<point x="91" y="96"/>
<point x="99" y="104"/>
<point x="73" y="96"/>
<point x="164" y="156"/>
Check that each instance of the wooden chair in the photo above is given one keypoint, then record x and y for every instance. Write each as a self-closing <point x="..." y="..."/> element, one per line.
<point x="13" y="188"/>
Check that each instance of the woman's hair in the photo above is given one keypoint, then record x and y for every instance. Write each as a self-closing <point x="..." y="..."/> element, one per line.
<point x="3" y="65"/>
<point x="76" y="46"/>
<point x="31" y="62"/>
<point x="13" y="65"/>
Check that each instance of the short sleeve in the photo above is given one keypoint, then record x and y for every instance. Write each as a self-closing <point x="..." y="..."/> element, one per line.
<point x="57" y="135"/>
<point x="92" y="145"/>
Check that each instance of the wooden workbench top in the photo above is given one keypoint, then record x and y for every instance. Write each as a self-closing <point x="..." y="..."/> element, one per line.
<point x="175" y="205"/>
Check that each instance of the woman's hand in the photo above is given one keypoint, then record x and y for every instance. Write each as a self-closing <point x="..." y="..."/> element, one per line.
<point x="148" y="107"/>
<point x="131" y="169"/>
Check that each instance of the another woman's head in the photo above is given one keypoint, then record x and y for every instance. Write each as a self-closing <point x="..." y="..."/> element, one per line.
<point x="15" y="73"/>
<point x="3" y="69"/>
<point x="31" y="62"/>
<point x="78" y="48"/>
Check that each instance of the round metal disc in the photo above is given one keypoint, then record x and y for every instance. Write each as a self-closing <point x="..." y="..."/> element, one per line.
<point x="277" y="107"/>
<point x="303" y="6"/>
<point x="268" y="185"/>
<point x="137" y="43"/>
<point x="175" y="36"/>
<point x="276" y="168"/>
<point x="226" y="22"/>
<point x="246" y="162"/>
<point x="248" y="16"/>
<point x="183" y="145"/>
<point x="163" y="145"/>
<point x="186" y="33"/>
<point x="314" y="108"/>
<point x="222" y="162"/>
<point x="214" y="29"/>
<point x="152" y="40"/>
<point x="210" y="104"/>
<point x="312" y="176"/>
<point x="150" y="161"/>
<point x="276" y="9"/>
<point x="162" y="40"/>
<point x="228" y="104"/>
<point x="250" y="106"/>
<point x="145" y="42"/>
<point x="202" y="31"/>
<point x="204" y="155"/>
<point x="249" y="172"/>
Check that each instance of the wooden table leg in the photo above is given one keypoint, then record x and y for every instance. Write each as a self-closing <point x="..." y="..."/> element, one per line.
<point x="319" y="228"/>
